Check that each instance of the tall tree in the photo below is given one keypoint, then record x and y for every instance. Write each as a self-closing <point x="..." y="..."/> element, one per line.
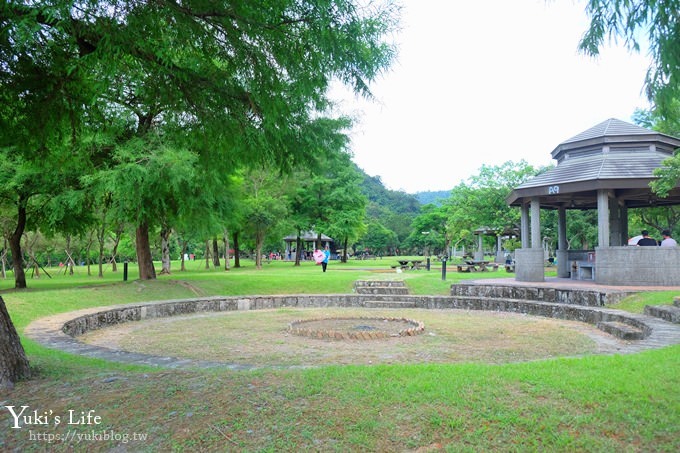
<point x="265" y="207"/>
<point x="248" y="80"/>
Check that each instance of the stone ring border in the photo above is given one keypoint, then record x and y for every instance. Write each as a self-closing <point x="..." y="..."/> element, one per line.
<point x="61" y="331"/>
<point x="296" y="328"/>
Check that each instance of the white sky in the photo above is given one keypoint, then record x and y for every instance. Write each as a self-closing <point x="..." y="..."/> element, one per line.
<point x="484" y="82"/>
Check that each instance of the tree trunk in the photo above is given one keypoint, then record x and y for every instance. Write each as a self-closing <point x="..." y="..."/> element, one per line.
<point x="207" y="254"/>
<point x="237" y="252"/>
<point x="101" y="236"/>
<point x="165" y="250"/>
<point x="259" y="239"/>
<point x="13" y="360"/>
<point x="298" y="250"/>
<point x="225" y="238"/>
<point x="15" y="247"/>
<point x="3" y="258"/>
<point x="88" y="249"/>
<point x="183" y="246"/>
<point x="344" y="250"/>
<point x="144" y="258"/>
<point x="70" y="264"/>
<point x="114" y="251"/>
<point x="216" y="253"/>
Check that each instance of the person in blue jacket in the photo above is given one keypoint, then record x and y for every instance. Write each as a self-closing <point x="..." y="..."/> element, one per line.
<point x="326" y="256"/>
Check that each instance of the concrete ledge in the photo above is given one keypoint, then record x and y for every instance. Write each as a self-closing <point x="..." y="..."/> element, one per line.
<point x="670" y="313"/>
<point x="638" y="266"/>
<point x="60" y="331"/>
<point x="587" y="297"/>
<point x="620" y="330"/>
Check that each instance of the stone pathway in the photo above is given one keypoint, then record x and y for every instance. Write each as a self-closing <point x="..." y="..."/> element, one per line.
<point x="48" y="332"/>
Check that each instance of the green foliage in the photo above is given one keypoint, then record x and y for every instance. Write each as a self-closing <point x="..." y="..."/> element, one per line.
<point x="379" y="240"/>
<point x="612" y="19"/>
<point x="668" y="175"/>
<point x="481" y="202"/>
<point x="159" y="104"/>
<point x="429" y="231"/>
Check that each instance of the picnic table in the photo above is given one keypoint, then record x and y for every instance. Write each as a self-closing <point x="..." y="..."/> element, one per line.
<point x="476" y="266"/>
<point x="414" y="264"/>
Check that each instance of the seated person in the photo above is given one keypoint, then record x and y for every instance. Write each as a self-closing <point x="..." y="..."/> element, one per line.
<point x="646" y="240"/>
<point x="668" y="241"/>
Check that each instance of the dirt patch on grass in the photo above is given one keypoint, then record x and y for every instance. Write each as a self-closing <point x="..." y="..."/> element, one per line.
<point x="451" y="336"/>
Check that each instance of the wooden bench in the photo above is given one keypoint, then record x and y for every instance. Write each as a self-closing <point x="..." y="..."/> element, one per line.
<point x="462" y="268"/>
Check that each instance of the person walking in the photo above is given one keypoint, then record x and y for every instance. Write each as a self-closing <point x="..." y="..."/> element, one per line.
<point x="667" y="240"/>
<point x="326" y="256"/>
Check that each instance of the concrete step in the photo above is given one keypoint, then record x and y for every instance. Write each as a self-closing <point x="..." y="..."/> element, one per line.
<point x="386" y="290"/>
<point x="389" y="304"/>
<point x="380" y="283"/>
<point x="667" y="312"/>
<point x="621" y="330"/>
<point x="382" y="287"/>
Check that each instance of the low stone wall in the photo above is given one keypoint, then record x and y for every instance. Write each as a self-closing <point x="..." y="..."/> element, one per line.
<point x="638" y="266"/>
<point x="585" y="297"/>
<point x="117" y="315"/>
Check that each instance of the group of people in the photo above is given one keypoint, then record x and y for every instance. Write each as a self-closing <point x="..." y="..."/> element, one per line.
<point x="667" y="240"/>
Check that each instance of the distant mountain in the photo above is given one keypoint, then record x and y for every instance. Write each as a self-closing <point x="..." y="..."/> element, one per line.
<point x="434" y="197"/>
<point x="392" y="209"/>
<point x="391" y="200"/>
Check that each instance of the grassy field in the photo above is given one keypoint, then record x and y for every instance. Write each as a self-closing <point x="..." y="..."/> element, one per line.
<point x="592" y="403"/>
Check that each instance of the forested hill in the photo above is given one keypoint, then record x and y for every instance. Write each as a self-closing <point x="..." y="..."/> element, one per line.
<point x="391" y="200"/>
<point x="435" y="197"/>
<point x="398" y="201"/>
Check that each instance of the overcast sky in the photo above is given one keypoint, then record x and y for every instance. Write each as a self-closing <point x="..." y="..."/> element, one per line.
<point x="484" y="82"/>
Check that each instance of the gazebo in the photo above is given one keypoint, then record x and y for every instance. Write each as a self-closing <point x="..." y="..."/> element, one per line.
<point x="608" y="168"/>
<point x="499" y="235"/>
<point x="307" y="237"/>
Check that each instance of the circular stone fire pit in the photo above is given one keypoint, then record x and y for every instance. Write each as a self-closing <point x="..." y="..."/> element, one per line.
<point x="355" y="328"/>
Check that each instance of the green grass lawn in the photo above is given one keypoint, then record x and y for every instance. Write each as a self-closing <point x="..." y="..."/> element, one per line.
<point x="593" y="403"/>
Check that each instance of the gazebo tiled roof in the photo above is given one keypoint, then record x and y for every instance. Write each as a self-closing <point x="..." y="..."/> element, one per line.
<point x="307" y="236"/>
<point x="610" y="128"/>
<point x="612" y="155"/>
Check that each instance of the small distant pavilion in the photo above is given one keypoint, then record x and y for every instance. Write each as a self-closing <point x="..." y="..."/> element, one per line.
<point x="307" y="237"/>
<point x="607" y="168"/>
<point x="499" y="234"/>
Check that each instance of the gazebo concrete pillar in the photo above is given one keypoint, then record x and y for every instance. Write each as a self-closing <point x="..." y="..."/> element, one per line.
<point x="563" y="268"/>
<point x="603" y="218"/>
<point x="529" y="260"/>
<point x="624" y="224"/>
<point x="536" y="224"/>
<point x="479" y="254"/>
<point x="499" y="249"/>
<point x="615" y="223"/>
<point x="524" y="225"/>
